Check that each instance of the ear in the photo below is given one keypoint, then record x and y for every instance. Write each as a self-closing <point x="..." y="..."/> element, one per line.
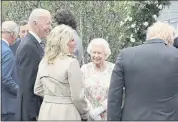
<point x="35" y="23"/>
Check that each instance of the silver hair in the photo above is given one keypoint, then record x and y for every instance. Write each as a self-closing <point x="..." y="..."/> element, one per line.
<point x="100" y="41"/>
<point x="36" y="14"/>
<point x="161" y="30"/>
<point x="10" y="26"/>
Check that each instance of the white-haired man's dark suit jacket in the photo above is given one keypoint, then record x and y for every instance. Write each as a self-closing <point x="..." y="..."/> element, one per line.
<point x="149" y="73"/>
<point x="28" y="56"/>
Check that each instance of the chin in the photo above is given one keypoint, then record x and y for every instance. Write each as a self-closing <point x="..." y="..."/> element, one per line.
<point x="97" y="63"/>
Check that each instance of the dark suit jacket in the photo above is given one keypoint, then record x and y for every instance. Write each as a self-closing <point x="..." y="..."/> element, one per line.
<point x="176" y="42"/>
<point x="28" y="57"/>
<point x="149" y="73"/>
<point x="14" y="49"/>
<point x="8" y="85"/>
<point x="15" y="46"/>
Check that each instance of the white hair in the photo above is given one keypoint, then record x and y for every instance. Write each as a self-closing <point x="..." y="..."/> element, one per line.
<point x="99" y="41"/>
<point x="10" y="26"/>
<point x="161" y="30"/>
<point x="36" y="14"/>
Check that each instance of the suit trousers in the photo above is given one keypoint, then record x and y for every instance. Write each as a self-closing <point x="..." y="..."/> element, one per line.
<point x="8" y="117"/>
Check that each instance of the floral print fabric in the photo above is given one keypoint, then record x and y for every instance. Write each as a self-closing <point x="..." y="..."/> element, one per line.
<point x="97" y="84"/>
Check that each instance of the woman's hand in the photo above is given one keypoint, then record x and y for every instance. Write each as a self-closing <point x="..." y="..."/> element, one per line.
<point x="96" y="112"/>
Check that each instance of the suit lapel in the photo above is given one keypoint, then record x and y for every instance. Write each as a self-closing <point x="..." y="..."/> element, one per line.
<point x="36" y="43"/>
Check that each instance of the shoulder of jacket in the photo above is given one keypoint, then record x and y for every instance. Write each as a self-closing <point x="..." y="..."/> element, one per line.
<point x="5" y="48"/>
<point x="6" y="51"/>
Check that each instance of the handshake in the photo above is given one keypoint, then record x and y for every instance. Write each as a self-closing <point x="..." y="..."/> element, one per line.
<point x="95" y="113"/>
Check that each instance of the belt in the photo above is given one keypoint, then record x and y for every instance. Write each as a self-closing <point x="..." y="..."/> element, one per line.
<point x="57" y="99"/>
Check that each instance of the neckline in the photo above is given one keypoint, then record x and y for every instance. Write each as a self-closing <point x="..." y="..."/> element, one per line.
<point x="93" y="68"/>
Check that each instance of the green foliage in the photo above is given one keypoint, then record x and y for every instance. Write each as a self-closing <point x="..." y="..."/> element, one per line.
<point x="142" y="15"/>
<point x="106" y="19"/>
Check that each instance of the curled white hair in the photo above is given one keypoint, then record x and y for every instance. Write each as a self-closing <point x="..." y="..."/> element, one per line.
<point x="99" y="41"/>
<point x="10" y="26"/>
<point x="36" y="14"/>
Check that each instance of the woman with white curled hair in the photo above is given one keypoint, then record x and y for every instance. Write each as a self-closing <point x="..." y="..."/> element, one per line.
<point x="97" y="76"/>
<point x="59" y="79"/>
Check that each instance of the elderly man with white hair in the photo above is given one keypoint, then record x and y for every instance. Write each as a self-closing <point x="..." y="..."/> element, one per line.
<point x="28" y="56"/>
<point x="97" y="77"/>
<point x="9" y="86"/>
<point x="149" y="73"/>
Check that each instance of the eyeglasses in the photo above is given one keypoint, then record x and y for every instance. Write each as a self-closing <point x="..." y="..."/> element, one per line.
<point x="12" y="33"/>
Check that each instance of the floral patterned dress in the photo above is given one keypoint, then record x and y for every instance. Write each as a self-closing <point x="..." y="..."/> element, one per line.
<point x="97" y="85"/>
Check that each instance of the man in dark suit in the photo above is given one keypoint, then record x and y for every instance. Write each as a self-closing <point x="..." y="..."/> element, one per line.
<point x="9" y="87"/>
<point x="23" y="29"/>
<point x="28" y="57"/>
<point x="149" y="73"/>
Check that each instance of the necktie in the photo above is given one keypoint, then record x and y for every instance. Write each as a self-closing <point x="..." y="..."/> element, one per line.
<point x="42" y="43"/>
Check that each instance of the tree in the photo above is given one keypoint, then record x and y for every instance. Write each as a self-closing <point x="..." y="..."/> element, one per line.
<point x="121" y="23"/>
<point x="142" y="15"/>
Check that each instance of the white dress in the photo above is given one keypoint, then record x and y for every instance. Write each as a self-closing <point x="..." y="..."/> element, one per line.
<point x="97" y="85"/>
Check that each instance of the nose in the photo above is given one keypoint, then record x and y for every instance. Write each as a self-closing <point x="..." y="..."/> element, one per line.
<point x="96" y="55"/>
<point x="75" y="43"/>
<point x="50" y="27"/>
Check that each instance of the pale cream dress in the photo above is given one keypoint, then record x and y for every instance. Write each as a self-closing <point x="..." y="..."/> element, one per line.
<point x="97" y="85"/>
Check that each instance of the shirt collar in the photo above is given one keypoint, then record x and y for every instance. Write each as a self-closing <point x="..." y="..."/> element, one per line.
<point x="37" y="37"/>
<point x="5" y="41"/>
<point x="155" y="40"/>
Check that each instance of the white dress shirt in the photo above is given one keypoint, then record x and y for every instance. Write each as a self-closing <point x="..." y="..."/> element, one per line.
<point x="37" y="37"/>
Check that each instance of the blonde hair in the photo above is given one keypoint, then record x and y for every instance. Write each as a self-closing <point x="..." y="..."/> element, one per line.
<point x="57" y="42"/>
<point x="161" y="30"/>
<point x="100" y="41"/>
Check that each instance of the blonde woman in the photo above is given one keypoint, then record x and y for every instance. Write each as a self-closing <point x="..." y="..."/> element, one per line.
<point x="97" y="76"/>
<point x="59" y="79"/>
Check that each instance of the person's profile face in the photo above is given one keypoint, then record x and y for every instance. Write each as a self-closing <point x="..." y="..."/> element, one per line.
<point x="44" y="26"/>
<point x="71" y="44"/>
<point x="13" y="37"/>
<point x="23" y="30"/>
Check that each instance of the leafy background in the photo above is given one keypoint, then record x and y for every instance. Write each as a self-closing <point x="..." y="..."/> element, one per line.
<point x="121" y="23"/>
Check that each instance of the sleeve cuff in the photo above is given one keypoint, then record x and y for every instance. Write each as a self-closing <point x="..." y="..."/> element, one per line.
<point x="84" y="116"/>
